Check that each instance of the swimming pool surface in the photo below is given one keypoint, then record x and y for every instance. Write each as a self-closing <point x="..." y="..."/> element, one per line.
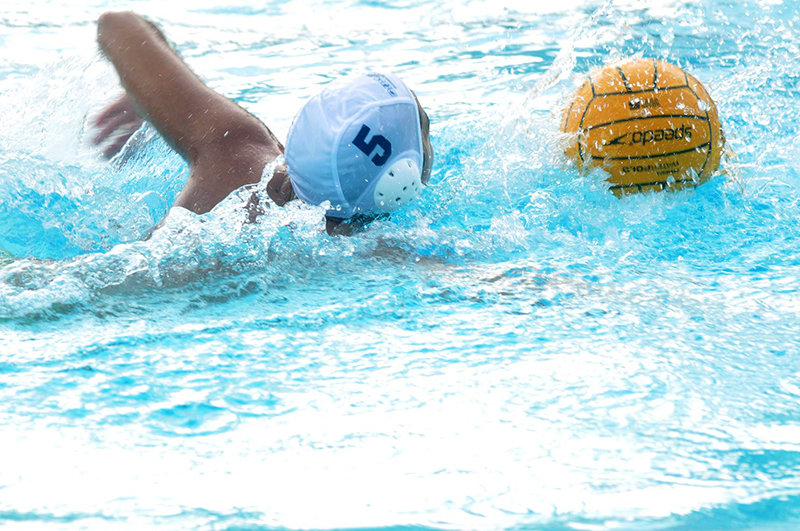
<point x="518" y="350"/>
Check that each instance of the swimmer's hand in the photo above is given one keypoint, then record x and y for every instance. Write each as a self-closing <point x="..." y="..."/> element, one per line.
<point x="116" y="124"/>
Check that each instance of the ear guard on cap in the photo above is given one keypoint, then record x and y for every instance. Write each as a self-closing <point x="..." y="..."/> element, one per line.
<point x="398" y="185"/>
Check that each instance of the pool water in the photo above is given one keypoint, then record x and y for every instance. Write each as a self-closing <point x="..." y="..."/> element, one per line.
<point x="517" y="350"/>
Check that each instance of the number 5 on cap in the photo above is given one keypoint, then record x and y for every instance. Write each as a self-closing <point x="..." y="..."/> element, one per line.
<point x="368" y="147"/>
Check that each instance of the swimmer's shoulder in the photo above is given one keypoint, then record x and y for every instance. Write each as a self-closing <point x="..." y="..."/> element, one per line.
<point x="240" y="149"/>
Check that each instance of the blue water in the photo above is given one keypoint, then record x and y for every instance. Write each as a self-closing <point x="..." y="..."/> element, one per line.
<point x="519" y="350"/>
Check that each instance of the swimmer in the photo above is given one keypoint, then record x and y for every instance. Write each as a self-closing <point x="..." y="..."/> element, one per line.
<point x="363" y="147"/>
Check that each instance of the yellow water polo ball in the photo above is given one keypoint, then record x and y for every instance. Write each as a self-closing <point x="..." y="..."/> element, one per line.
<point x="648" y="123"/>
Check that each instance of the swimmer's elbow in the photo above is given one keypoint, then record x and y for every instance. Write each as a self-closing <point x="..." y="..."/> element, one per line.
<point x="111" y="23"/>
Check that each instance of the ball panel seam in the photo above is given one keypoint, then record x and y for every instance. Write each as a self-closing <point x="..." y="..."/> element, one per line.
<point x="656" y="155"/>
<point x="640" y="118"/>
<point x="710" y="131"/>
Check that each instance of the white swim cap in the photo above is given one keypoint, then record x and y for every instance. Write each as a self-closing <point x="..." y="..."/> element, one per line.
<point x="359" y="146"/>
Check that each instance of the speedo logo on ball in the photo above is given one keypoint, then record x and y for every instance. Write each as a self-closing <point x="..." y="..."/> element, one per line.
<point x="647" y="103"/>
<point x="652" y="136"/>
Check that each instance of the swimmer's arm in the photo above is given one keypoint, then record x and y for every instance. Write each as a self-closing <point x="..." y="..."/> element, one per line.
<point x="225" y="146"/>
<point x="119" y="120"/>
